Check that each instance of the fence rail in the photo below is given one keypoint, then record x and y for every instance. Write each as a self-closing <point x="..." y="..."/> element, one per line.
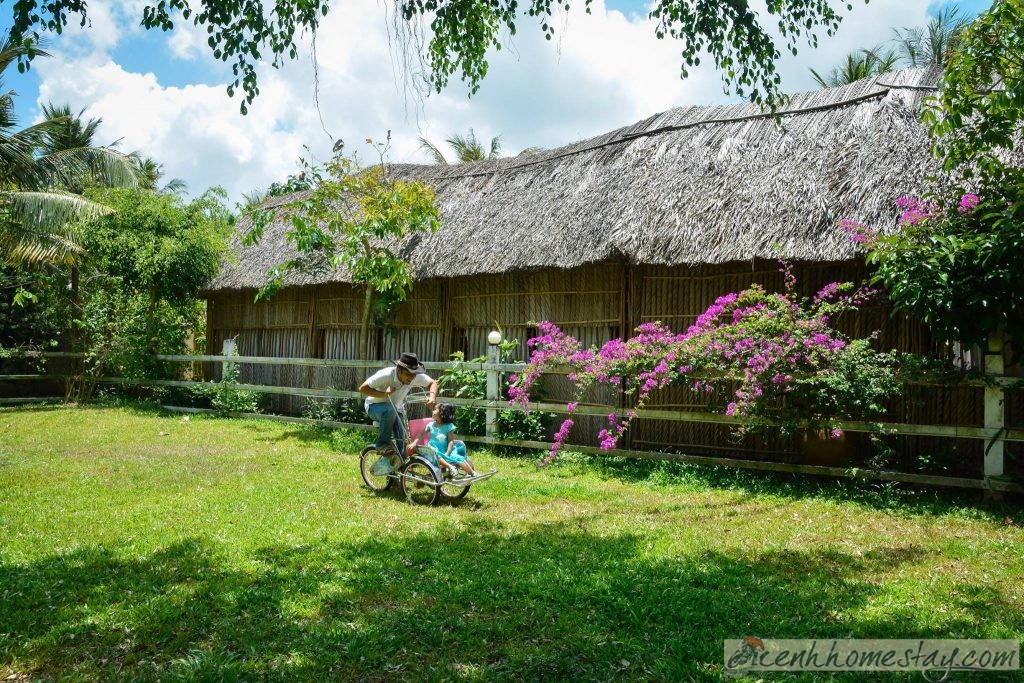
<point x="994" y="430"/>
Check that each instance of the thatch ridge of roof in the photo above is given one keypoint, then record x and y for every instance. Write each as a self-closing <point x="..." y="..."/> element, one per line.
<point x="685" y="186"/>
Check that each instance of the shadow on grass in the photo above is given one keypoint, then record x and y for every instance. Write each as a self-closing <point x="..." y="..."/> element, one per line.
<point x="337" y="440"/>
<point x="475" y="604"/>
<point x="32" y="408"/>
<point x="891" y="497"/>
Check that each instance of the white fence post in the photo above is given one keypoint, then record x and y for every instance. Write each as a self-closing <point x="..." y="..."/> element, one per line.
<point x="995" y="412"/>
<point x="230" y="348"/>
<point x="493" y="384"/>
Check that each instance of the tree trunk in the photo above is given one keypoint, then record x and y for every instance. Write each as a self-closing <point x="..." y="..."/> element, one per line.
<point x="364" y="325"/>
<point x="76" y="309"/>
<point x="6" y="338"/>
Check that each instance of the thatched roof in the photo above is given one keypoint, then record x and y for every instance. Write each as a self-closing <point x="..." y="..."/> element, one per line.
<point x="690" y="185"/>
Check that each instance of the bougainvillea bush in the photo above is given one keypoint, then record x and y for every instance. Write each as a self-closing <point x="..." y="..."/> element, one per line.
<point x="777" y="354"/>
<point x="956" y="261"/>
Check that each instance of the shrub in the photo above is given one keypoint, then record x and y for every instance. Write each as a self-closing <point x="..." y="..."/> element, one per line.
<point x="777" y="355"/>
<point x="955" y="262"/>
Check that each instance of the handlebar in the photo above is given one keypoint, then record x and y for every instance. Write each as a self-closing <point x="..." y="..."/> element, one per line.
<point x="416" y="396"/>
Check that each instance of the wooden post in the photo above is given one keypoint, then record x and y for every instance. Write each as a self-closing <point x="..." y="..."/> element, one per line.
<point x="995" y="412"/>
<point x="230" y="348"/>
<point x="493" y="389"/>
<point x="626" y="314"/>
<point x="445" y="349"/>
<point x="312" y="336"/>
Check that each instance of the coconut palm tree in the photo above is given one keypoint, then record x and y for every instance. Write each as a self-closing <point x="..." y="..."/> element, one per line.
<point x="858" y="65"/>
<point x="466" y="148"/>
<point x="251" y="200"/>
<point x="150" y="172"/>
<point x="40" y="210"/>
<point x="931" y="45"/>
<point x="923" y="46"/>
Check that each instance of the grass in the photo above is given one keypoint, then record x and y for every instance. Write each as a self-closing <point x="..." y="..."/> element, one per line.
<point x="136" y="544"/>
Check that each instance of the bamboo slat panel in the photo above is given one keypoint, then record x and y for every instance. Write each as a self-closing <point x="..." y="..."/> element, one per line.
<point x="285" y="343"/>
<point x="338" y="305"/>
<point x="580" y="295"/>
<point x="238" y="310"/>
<point x="339" y="343"/>
<point x="425" y="342"/>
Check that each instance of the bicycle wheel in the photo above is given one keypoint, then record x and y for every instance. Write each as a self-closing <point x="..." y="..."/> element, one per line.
<point x="420" y="481"/>
<point x="452" y="490"/>
<point x="368" y="457"/>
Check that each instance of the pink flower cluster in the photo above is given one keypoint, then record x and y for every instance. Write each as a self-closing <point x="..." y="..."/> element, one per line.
<point x="552" y="347"/>
<point x="915" y="210"/>
<point x="762" y="345"/>
<point x="861" y="234"/>
<point x="968" y="203"/>
<point x="912" y="212"/>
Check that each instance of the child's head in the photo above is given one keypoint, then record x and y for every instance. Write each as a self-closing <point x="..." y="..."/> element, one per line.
<point x="445" y="412"/>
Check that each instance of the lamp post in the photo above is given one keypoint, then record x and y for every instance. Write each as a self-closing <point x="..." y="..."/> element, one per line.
<point x="493" y="382"/>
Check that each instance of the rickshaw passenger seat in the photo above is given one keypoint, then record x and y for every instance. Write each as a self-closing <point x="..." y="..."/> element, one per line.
<point x="417" y="426"/>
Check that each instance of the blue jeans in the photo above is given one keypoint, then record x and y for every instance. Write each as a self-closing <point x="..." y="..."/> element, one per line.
<point x="390" y="424"/>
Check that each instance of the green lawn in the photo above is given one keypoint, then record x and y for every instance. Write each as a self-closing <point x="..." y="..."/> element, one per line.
<point x="136" y="544"/>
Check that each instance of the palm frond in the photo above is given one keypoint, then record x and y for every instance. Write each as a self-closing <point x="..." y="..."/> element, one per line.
<point x="43" y="226"/>
<point x="104" y="166"/>
<point x="822" y="81"/>
<point x="858" y="65"/>
<point x="251" y="200"/>
<point x="174" y="186"/>
<point x="17" y="162"/>
<point x="13" y="48"/>
<point x="432" y="151"/>
<point x="933" y="44"/>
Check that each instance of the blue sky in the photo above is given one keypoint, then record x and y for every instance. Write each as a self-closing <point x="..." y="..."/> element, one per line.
<point x="163" y="94"/>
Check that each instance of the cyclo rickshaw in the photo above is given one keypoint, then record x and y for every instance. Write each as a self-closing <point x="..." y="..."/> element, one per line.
<point x="422" y="479"/>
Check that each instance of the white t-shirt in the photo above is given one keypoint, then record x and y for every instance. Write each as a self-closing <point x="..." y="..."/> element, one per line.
<point x="388" y="377"/>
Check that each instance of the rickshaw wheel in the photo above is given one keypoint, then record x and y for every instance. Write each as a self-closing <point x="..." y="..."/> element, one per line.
<point x="453" y="491"/>
<point x="419" y="492"/>
<point x="375" y="482"/>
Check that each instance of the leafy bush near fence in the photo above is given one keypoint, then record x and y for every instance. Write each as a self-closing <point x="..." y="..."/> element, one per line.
<point x="226" y="399"/>
<point x="349" y="410"/>
<point x="139" y="283"/>
<point x="460" y="382"/>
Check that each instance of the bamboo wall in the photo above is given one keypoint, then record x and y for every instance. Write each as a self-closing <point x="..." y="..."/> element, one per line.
<point x="594" y="303"/>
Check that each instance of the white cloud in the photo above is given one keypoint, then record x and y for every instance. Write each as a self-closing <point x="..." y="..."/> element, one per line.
<point x="606" y="71"/>
<point x="186" y="41"/>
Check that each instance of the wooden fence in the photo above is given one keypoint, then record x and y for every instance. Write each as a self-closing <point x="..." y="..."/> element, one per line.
<point x="994" y="431"/>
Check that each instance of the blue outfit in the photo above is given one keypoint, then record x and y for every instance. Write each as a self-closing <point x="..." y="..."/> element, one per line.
<point x="439" y="442"/>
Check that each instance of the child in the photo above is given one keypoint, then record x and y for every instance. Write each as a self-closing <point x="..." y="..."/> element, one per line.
<point x="449" y="451"/>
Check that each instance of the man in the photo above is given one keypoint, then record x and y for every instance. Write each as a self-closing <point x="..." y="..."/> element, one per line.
<point x="394" y="384"/>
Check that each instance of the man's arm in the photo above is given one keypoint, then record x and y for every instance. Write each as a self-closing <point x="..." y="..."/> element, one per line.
<point x="367" y="388"/>
<point x="432" y="394"/>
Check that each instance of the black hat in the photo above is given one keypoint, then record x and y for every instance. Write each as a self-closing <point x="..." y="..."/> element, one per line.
<point x="409" y="361"/>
